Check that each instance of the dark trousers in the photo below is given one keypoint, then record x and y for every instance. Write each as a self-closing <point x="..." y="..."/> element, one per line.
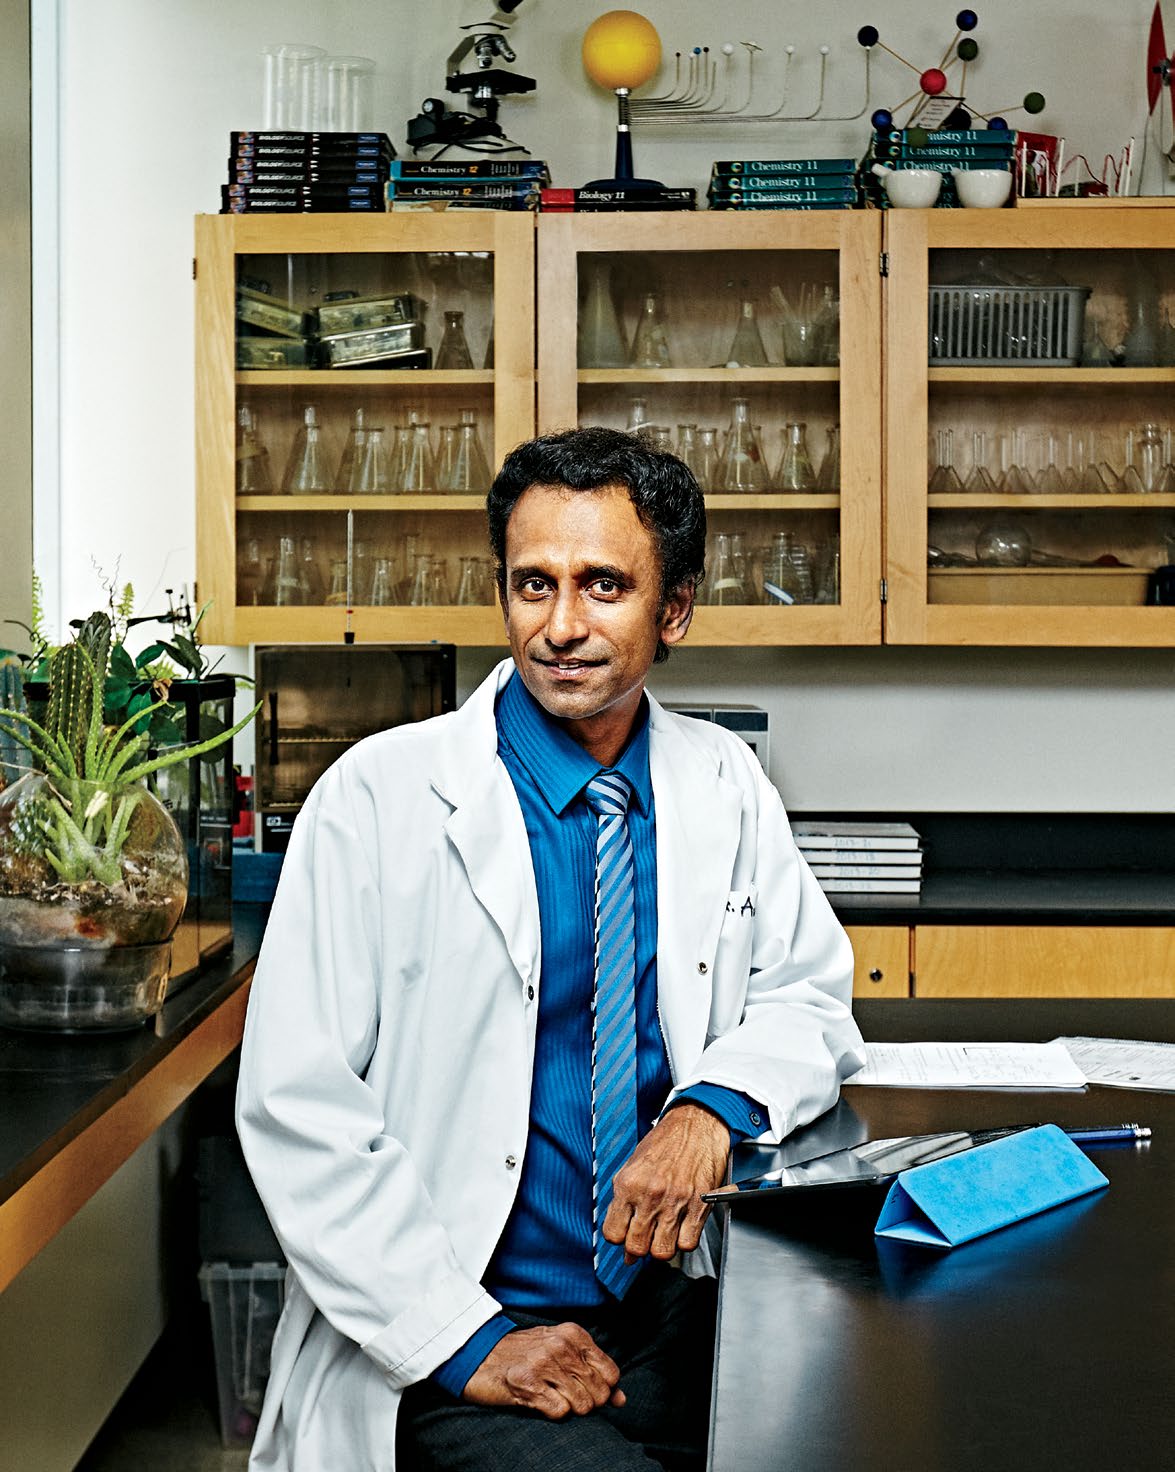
<point x="662" y="1338"/>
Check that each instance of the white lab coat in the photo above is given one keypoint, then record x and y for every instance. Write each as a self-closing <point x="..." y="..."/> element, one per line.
<point x="385" y="1075"/>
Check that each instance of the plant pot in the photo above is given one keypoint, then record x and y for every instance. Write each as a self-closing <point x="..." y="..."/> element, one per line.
<point x="90" y="948"/>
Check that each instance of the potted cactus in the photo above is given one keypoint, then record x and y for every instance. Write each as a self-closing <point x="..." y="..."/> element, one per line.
<point x="93" y="871"/>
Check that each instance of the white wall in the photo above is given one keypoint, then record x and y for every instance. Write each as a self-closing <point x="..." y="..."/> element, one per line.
<point x="149" y="94"/>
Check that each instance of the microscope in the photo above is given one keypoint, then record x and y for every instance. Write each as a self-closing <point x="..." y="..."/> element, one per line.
<point x="479" y="131"/>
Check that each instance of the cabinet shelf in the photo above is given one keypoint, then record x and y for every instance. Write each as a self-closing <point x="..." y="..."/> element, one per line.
<point x="341" y="502"/>
<point x="993" y="378"/>
<point x="773" y="501"/>
<point x="978" y="500"/>
<point x="362" y="377"/>
<point x="732" y="376"/>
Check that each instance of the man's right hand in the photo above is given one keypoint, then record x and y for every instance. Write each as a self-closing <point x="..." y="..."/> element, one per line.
<point x="557" y="1371"/>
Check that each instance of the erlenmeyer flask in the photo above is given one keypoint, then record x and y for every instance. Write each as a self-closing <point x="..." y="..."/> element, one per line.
<point x="801" y="562"/>
<point x="418" y="476"/>
<point x="738" y="561"/>
<point x="1016" y="479"/>
<point x="741" y="467"/>
<point x="706" y="469"/>
<point x="746" y="348"/>
<point x="601" y="343"/>
<point x="254" y="477"/>
<point x="313" y="587"/>
<point x="336" y="594"/>
<point x="305" y="472"/>
<point x="795" y="471"/>
<point x="489" y="357"/>
<point x="250" y="572"/>
<point x="375" y="476"/>
<point x="781" y="582"/>
<point x="980" y="478"/>
<point x="287" y="583"/>
<point x="383" y="585"/>
<point x="446" y="456"/>
<point x="827" y="320"/>
<point x="351" y="460"/>
<point x="468" y="592"/>
<point x="650" y="346"/>
<point x="828" y="476"/>
<point x="1050" y="481"/>
<point x="638" y="415"/>
<point x="454" y="350"/>
<point x="361" y="575"/>
<point x="945" y="477"/>
<point x="723" y="585"/>
<point x="471" y="471"/>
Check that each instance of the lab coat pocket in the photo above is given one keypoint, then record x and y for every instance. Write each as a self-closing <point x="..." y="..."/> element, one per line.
<point x="732" y="961"/>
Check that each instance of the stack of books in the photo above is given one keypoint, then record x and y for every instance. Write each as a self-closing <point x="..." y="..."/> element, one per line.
<point x="942" y="149"/>
<point x="590" y="200"/>
<point x="784" y="184"/>
<point x="295" y="172"/>
<point x="853" y="857"/>
<point x="474" y="184"/>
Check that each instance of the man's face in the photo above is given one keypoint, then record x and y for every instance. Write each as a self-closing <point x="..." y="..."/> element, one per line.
<point x="583" y="609"/>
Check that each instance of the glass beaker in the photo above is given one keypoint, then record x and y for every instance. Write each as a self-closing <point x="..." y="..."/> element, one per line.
<point x="254" y="477"/>
<point x="291" y="96"/>
<point x="741" y="467"/>
<point x="601" y="342"/>
<point x="348" y="82"/>
<point x="650" y="346"/>
<point x="454" y="350"/>
<point x="746" y="348"/>
<point x="305" y="472"/>
<point x="795" y="471"/>
<point x="470" y="473"/>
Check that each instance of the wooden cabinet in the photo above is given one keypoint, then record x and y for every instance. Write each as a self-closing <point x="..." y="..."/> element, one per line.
<point x="480" y="264"/>
<point x="881" y="960"/>
<point x="1043" y="961"/>
<point x="1028" y="482"/>
<point x="702" y="276"/>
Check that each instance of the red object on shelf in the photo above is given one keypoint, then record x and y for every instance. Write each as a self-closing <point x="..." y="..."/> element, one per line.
<point x="243" y="808"/>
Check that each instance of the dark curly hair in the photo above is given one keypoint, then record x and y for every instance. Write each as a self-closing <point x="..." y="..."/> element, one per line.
<point x="662" y="488"/>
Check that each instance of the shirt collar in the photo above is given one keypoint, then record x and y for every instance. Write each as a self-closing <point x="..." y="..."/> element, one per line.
<point x="559" y="766"/>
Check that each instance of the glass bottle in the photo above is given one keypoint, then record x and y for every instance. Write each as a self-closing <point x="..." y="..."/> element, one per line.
<point x="638" y="415"/>
<point x="795" y="471"/>
<point x="454" y="350"/>
<point x="471" y="471"/>
<point x="601" y="342"/>
<point x="305" y="472"/>
<point x="741" y="467"/>
<point x="650" y="346"/>
<point x="313" y="587"/>
<point x="351" y="459"/>
<point x="746" y="348"/>
<point x="828" y="476"/>
<point x="254" y="477"/>
<point x="1140" y="348"/>
<point x="287" y="583"/>
<point x="1003" y="544"/>
<point x="708" y="457"/>
<point x="418" y="475"/>
<point x="375" y="474"/>
<point x="723" y="585"/>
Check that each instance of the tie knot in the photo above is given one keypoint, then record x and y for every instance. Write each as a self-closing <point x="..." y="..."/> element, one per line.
<point x="608" y="794"/>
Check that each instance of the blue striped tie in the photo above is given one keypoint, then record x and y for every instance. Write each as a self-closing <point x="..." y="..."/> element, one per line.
<point x="614" y="1124"/>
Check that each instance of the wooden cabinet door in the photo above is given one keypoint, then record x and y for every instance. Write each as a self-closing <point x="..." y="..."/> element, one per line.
<point x="1044" y="961"/>
<point x="881" y="960"/>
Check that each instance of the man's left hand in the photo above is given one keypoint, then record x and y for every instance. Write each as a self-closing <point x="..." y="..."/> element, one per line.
<point x="656" y="1207"/>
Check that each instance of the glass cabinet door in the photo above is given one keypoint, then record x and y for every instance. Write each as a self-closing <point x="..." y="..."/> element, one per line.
<point x="751" y="348"/>
<point x="1030" y="467"/>
<point x="357" y="380"/>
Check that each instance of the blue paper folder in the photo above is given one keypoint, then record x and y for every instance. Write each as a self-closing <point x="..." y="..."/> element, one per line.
<point x="968" y="1195"/>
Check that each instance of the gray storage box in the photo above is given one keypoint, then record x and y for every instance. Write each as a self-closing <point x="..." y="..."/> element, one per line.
<point x="245" y="1304"/>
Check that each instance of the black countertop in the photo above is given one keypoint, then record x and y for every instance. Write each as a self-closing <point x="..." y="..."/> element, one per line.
<point x="52" y="1085"/>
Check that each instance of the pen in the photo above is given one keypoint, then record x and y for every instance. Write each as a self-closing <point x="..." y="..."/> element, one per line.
<point x="1089" y="1134"/>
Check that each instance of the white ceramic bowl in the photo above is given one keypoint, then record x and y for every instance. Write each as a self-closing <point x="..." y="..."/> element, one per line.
<point x="912" y="189"/>
<point x="982" y="189"/>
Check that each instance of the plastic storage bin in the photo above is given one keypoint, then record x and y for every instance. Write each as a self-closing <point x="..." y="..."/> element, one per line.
<point x="245" y="1304"/>
<point x="1023" y="326"/>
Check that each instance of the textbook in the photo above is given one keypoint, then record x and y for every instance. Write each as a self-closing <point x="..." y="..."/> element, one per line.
<point x="479" y="189"/>
<point x="870" y="886"/>
<point x="489" y="168"/>
<point x="813" y="833"/>
<point x="849" y="195"/>
<point x="736" y="184"/>
<point x="729" y="168"/>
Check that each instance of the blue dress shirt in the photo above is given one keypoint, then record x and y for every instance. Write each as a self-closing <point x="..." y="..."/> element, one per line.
<point x="544" y="1257"/>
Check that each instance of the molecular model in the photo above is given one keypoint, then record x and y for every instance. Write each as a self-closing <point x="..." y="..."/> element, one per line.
<point x="934" y="104"/>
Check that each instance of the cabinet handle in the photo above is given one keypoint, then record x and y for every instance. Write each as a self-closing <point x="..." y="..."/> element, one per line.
<point x="876" y="975"/>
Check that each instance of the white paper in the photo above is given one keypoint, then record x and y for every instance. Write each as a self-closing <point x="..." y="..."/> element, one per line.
<point x="969" y="1066"/>
<point x="1120" y="1063"/>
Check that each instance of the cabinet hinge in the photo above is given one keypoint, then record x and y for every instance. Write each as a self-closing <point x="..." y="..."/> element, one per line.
<point x="883" y="263"/>
<point x="193" y="268"/>
<point x="883" y="589"/>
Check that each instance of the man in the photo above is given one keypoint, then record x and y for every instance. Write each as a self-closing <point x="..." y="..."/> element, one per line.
<point x="531" y="969"/>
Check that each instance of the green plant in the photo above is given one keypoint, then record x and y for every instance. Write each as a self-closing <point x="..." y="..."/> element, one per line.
<point x="80" y="823"/>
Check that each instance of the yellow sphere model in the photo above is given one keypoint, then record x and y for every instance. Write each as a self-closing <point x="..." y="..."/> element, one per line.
<point x="621" y="49"/>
